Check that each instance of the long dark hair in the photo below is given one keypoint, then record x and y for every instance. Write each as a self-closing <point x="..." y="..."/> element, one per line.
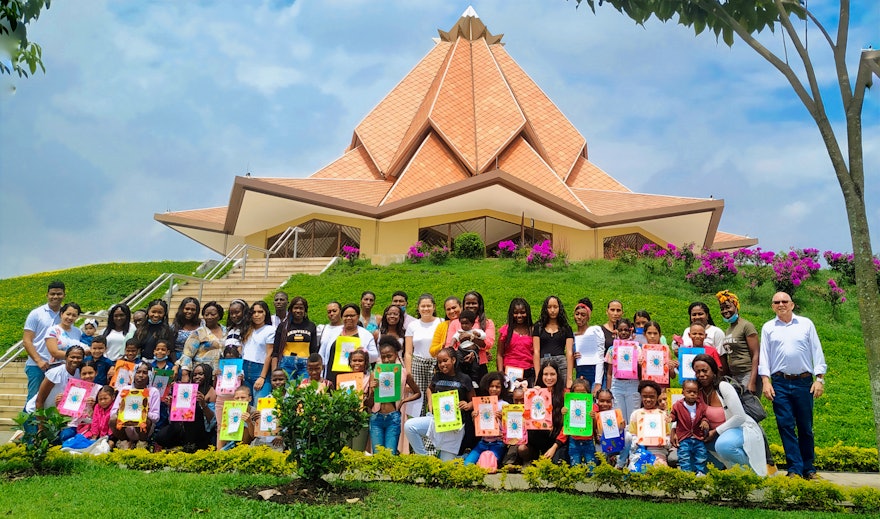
<point x="245" y="309"/>
<point x="111" y="323"/>
<point x="383" y="324"/>
<point x="160" y="330"/>
<point x="208" y="381"/>
<point x="246" y="334"/>
<point x="295" y="300"/>
<point x="705" y="308"/>
<point x="180" y="319"/>
<point x="511" y="322"/>
<point x="486" y="381"/>
<point x="481" y="306"/>
<point x="557" y="394"/>
<point x="561" y="319"/>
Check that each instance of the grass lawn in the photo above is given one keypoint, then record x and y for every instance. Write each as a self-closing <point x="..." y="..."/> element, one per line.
<point x="100" y="491"/>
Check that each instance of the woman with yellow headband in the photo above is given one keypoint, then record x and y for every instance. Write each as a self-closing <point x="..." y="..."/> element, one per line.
<point x="740" y="343"/>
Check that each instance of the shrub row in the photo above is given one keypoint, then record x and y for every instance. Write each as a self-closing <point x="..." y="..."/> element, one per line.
<point x="839" y="458"/>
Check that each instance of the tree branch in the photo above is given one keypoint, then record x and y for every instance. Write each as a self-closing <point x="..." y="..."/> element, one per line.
<point x="846" y="88"/>
<point x="821" y="28"/>
<point x="785" y="21"/>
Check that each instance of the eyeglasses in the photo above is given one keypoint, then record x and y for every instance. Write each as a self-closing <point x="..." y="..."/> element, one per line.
<point x="781" y="302"/>
<point x="349" y="316"/>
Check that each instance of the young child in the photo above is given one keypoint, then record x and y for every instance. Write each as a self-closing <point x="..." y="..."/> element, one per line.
<point x="87" y="372"/>
<point x="698" y="336"/>
<point x="132" y="354"/>
<point x="582" y="449"/>
<point x="278" y="379"/>
<point x="99" y="426"/>
<point x="518" y="397"/>
<point x="231" y="352"/>
<point x="689" y="428"/>
<point x="652" y="335"/>
<point x="89" y="332"/>
<point x="103" y="365"/>
<point x="611" y="447"/>
<point x="385" y="420"/>
<point x="447" y="378"/>
<point x="463" y="343"/>
<point x="492" y="384"/>
<point x="626" y="396"/>
<point x="359" y="362"/>
<point x="649" y="391"/>
<point x="163" y="358"/>
<point x="315" y="369"/>
<point x="243" y="394"/>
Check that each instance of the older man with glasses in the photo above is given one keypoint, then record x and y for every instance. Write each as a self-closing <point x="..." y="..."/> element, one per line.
<point x="792" y="367"/>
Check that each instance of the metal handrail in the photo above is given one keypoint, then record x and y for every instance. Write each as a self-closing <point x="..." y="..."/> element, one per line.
<point x="18" y="348"/>
<point x="239" y="253"/>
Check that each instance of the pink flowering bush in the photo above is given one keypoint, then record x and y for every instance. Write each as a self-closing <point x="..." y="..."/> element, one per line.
<point x="836" y="296"/>
<point x="350" y="253"/>
<point x="417" y="252"/>
<point x="754" y="266"/>
<point x="438" y="255"/>
<point x="716" y="269"/>
<point x="506" y="249"/>
<point x="541" y="255"/>
<point x="791" y="270"/>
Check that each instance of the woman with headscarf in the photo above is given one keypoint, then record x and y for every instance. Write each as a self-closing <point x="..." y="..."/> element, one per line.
<point x="740" y="344"/>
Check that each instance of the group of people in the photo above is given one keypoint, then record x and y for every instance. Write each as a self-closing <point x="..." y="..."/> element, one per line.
<point x="784" y="362"/>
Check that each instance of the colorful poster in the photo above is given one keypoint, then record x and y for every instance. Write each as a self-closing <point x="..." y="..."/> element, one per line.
<point x="686" y="361"/>
<point x="344" y="347"/>
<point x="485" y="423"/>
<point x="651" y="428"/>
<point x="655" y="363"/>
<point x="389" y="379"/>
<point x="577" y="420"/>
<point x="539" y="409"/>
<point x="447" y="415"/>
<point x="73" y="400"/>
<point x="162" y="379"/>
<point x="232" y="422"/>
<point x="133" y="404"/>
<point x="513" y="425"/>
<point x="123" y="374"/>
<point x="229" y="378"/>
<point x="350" y="381"/>
<point x="183" y="402"/>
<point x="674" y="396"/>
<point x="611" y="437"/>
<point x="624" y="360"/>
<point x="513" y="375"/>
<point x="268" y="424"/>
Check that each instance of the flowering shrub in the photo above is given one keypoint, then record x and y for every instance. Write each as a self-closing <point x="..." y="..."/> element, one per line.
<point x="506" y="249"/>
<point x="350" y="253"/>
<point x="716" y="268"/>
<point x="416" y="252"/>
<point x="541" y="255"/>
<point x="438" y="255"/>
<point x="836" y="296"/>
<point x="760" y="270"/>
<point x="792" y="269"/>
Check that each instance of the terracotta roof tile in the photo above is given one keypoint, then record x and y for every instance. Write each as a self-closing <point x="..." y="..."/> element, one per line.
<point x="498" y="117"/>
<point x="383" y="128"/>
<point x="453" y="113"/>
<point x="355" y="164"/>
<point x="725" y="240"/>
<point x="207" y="215"/>
<point x="561" y="140"/>
<point x="604" y="203"/>
<point x="367" y="192"/>
<point x="586" y="175"/>
<point x="523" y="162"/>
<point x="432" y="167"/>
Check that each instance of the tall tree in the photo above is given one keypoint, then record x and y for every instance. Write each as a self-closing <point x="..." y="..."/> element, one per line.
<point x="18" y="54"/>
<point x="729" y="19"/>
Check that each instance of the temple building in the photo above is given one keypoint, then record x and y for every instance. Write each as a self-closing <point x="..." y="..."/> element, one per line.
<point x="466" y="141"/>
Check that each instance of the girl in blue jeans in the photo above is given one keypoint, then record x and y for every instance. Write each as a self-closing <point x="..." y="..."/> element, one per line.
<point x="492" y="384"/>
<point x="385" y="418"/>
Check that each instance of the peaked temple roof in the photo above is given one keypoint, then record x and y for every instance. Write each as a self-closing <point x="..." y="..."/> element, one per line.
<point x="465" y="110"/>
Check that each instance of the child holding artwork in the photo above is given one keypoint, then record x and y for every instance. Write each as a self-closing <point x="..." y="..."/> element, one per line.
<point x="652" y="335"/>
<point x="611" y="445"/>
<point x="89" y="332"/>
<point x="87" y="372"/>
<point x="492" y="384"/>
<point x="199" y="433"/>
<point x="549" y="444"/>
<point x="136" y="435"/>
<point x="648" y="429"/>
<point x="243" y="394"/>
<point x="103" y="365"/>
<point x="689" y="428"/>
<point x="99" y="426"/>
<point x="385" y="420"/>
<point x="625" y="391"/>
<point x="447" y="378"/>
<point x="698" y="337"/>
<point x="132" y="356"/>
<point x="464" y="345"/>
<point x="278" y="379"/>
<point x="582" y="449"/>
<point x="518" y="397"/>
<point x="359" y="362"/>
<point x="315" y="369"/>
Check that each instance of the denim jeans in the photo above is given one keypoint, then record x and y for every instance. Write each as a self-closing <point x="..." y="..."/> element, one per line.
<point x="385" y="430"/>
<point x="497" y="447"/>
<point x="294" y="366"/>
<point x="692" y="455"/>
<point x="581" y="452"/>
<point x="252" y="371"/>
<point x="793" y="406"/>
<point x="626" y="396"/>
<point x="588" y="373"/>
<point x="35" y="377"/>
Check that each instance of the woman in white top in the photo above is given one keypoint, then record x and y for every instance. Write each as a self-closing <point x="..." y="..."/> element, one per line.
<point x="589" y="346"/>
<point x="119" y="329"/>
<point x="56" y="380"/>
<point x="327" y="333"/>
<point x="698" y="313"/>
<point x="349" y="328"/>
<point x="417" y="357"/>
<point x="256" y="351"/>
<point x="63" y="335"/>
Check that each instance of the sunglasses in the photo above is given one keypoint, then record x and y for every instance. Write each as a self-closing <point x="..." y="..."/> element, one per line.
<point x="781" y="302"/>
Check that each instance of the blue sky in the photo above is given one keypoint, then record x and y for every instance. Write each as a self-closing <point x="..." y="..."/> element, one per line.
<point x="154" y="106"/>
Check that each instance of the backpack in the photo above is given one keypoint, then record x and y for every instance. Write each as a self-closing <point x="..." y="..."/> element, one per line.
<point x="750" y="402"/>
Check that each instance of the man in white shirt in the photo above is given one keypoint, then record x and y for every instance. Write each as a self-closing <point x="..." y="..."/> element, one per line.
<point x="791" y="356"/>
<point x="280" y="302"/>
<point x="38" y="323"/>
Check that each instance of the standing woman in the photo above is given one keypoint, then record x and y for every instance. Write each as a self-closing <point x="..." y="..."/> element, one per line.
<point x="553" y="339"/>
<point x="369" y="320"/>
<point x="154" y="328"/>
<point x="452" y="308"/>
<point x="186" y="322"/>
<point x="64" y="334"/>
<point x="515" y="344"/>
<point x="473" y="301"/>
<point x="119" y="329"/>
<point x="295" y="339"/>
<point x="205" y="345"/>
<point x="236" y="324"/>
<point x="417" y="351"/>
<point x="391" y="324"/>
<point x="614" y="311"/>
<point x="740" y="344"/>
<point x="349" y="328"/>
<point x="327" y="333"/>
<point x="589" y="346"/>
<point x="256" y="351"/>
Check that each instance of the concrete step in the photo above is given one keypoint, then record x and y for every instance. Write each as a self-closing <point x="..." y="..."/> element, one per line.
<point x="10" y="411"/>
<point x="13" y="399"/>
<point x="7" y="386"/>
<point x="6" y="425"/>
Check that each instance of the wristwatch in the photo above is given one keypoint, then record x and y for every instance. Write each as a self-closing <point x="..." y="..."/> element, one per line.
<point x="820" y="380"/>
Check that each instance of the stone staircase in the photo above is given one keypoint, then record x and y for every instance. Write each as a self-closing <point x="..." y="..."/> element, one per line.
<point x="13" y="390"/>
<point x="255" y="285"/>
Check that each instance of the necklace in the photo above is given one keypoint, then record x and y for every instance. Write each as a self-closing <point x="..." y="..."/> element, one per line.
<point x="707" y="395"/>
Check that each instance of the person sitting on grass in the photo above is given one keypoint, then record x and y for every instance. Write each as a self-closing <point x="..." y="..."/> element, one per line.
<point x="136" y="436"/>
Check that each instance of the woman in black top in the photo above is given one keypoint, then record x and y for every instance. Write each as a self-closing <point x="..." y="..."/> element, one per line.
<point x="295" y="339"/>
<point x="553" y="338"/>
